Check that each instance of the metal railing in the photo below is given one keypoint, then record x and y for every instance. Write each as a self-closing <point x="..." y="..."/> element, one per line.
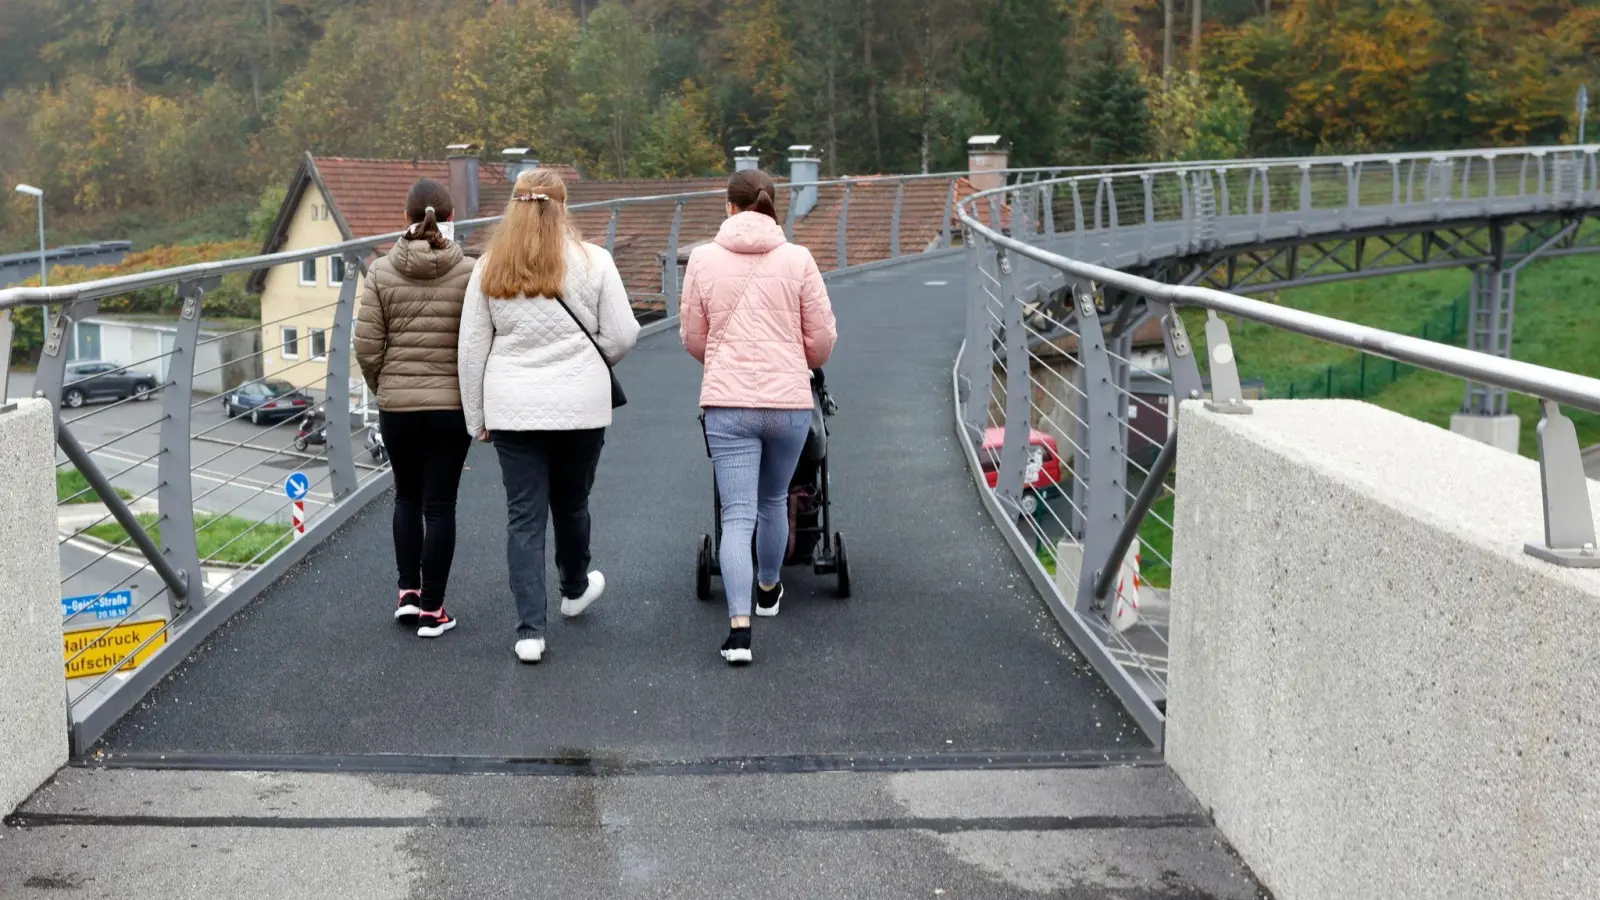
<point x="172" y="505"/>
<point x="1051" y="393"/>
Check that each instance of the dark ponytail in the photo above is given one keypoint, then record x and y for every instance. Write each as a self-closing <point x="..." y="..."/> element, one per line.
<point x="427" y="203"/>
<point x="752" y="190"/>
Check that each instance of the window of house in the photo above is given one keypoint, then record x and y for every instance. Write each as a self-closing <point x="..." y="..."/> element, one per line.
<point x="335" y="271"/>
<point x="308" y="271"/>
<point x="319" y="343"/>
<point x="291" y="343"/>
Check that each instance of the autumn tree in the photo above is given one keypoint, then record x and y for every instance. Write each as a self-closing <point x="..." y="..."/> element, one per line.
<point x="610" y="69"/>
<point x="1107" y="120"/>
<point x="1012" y="69"/>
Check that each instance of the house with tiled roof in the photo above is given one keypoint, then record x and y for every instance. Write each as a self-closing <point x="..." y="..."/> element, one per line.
<point x="336" y="199"/>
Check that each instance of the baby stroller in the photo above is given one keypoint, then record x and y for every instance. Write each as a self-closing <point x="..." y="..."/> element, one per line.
<point x="812" y="540"/>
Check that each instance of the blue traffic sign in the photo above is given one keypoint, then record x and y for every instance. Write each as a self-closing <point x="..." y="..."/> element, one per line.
<point x="297" y="486"/>
<point x="111" y="605"/>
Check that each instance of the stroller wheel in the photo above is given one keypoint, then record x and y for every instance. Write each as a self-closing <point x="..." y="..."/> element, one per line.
<point x="841" y="564"/>
<point x="702" y="569"/>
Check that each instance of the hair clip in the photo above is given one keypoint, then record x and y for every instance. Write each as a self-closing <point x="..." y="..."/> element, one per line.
<point x="524" y="198"/>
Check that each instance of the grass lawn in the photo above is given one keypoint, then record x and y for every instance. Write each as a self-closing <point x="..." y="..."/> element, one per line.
<point x="1155" y="537"/>
<point x="1400" y="303"/>
<point x="72" y="487"/>
<point x="214" y="534"/>
<point x="1554" y="327"/>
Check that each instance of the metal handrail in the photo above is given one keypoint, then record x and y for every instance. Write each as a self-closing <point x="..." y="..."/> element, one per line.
<point x="12" y="298"/>
<point x="1549" y="384"/>
<point x="1102" y="528"/>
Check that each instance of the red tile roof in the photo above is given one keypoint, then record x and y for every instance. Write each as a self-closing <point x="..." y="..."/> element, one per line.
<point x="370" y="194"/>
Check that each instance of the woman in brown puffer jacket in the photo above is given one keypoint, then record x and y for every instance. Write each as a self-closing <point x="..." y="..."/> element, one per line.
<point x="405" y="343"/>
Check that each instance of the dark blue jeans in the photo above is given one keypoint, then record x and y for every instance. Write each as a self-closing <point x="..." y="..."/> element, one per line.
<point x="548" y="475"/>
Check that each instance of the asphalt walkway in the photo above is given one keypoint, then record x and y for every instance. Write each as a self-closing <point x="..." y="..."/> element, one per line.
<point x="945" y="650"/>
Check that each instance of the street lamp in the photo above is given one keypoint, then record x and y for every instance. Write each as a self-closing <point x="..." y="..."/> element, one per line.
<point x="38" y="195"/>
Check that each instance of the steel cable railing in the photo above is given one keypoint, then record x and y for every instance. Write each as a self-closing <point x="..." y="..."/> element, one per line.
<point x="1058" y="283"/>
<point x="194" y="534"/>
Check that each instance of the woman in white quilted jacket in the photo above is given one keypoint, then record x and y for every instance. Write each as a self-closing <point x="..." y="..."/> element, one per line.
<point x="545" y="318"/>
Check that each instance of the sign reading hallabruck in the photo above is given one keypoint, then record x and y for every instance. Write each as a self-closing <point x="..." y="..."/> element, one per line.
<point x="96" y="651"/>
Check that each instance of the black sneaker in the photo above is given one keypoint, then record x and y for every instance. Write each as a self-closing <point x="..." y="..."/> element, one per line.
<point x="407" y="608"/>
<point x="736" y="649"/>
<point x="767" y="599"/>
<point x="432" y="623"/>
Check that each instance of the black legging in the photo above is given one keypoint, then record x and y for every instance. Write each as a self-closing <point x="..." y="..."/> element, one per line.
<point x="427" y="449"/>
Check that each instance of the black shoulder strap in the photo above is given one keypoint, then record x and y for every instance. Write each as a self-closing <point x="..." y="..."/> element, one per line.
<point x="579" y="322"/>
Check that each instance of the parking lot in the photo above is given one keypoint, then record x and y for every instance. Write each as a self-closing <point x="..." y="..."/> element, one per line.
<point x="237" y="471"/>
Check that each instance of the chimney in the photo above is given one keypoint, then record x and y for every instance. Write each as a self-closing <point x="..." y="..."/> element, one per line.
<point x="518" y="160"/>
<point x="987" y="153"/>
<point x="463" y="160"/>
<point x="805" y="162"/>
<point x="746" y="158"/>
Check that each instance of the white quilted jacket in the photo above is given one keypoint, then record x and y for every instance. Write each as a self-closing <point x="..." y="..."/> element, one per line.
<point x="524" y="364"/>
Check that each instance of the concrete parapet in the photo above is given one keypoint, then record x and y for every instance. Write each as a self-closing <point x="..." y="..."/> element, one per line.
<point x="33" y="711"/>
<point x="1373" y="688"/>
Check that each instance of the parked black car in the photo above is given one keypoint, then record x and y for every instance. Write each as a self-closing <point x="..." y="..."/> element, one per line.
<point x="266" y="402"/>
<point x="88" y="380"/>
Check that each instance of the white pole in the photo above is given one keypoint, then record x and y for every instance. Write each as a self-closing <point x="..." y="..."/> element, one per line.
<point x="43" y="275"/>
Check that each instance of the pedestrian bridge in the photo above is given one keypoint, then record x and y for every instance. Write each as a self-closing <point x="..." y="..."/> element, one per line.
<point x="993" y="622"/>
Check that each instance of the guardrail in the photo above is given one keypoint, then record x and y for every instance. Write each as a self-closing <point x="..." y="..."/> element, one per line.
<point x="1045" y="378"/>
<point x="172" y="503"/>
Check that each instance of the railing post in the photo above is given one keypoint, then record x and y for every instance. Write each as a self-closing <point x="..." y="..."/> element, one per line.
<point x="1539" y="155"/>
<point x="1019" y="392"/>
<point x="342" y="476"/>
<point x="949" y="213"/>
<point x="1394" y="168"/>
<point x="1107" y="478"/>
<point x="1227" y="201"/>
<point x="794" y="204"/>
<point x="1100" y="192"/>
<point x="1266" y="194"/>
<point x="977" y="362"/>
<point x="611" y="228"/>
<point x="669" y="272"/>
<point x="1048" y="196"/>
<point x="1077" y="210"/>
<point x="1491" y="159"/>
<point x="1352" y="191"/>
<point x="175" y="496"/>
<point x="1569" y="536"/>
<point x="1111" y="204"/>
<point x="5" y="346"/>
<point x="1305" y="188"/>
<point x="894" y="225"/>
<point x="1226" y="396"/>
<point x="994" y="212"/>
<point x="52" y="368"/>
<point x="843" y="241"/>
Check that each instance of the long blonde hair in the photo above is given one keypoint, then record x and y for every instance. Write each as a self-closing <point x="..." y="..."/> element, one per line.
<point x="527" y="255"/>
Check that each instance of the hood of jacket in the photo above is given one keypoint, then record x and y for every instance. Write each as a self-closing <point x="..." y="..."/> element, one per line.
<point x="750" y="232"/>
<point x="418" y="261"/>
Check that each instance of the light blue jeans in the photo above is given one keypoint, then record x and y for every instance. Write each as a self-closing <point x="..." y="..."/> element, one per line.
<point x="754" y="452"/>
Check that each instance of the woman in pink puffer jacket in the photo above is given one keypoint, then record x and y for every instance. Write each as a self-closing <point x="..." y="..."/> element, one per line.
<point x="756" y="313"/>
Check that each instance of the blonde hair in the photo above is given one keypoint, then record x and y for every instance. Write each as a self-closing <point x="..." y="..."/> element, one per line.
<point x="527" y="254"/>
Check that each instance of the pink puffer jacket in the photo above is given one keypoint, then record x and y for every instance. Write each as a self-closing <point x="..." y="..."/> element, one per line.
<point x="758" y="349"/>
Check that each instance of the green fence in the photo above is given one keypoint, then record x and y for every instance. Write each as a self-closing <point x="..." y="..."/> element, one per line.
<point x="1364" y="376"/>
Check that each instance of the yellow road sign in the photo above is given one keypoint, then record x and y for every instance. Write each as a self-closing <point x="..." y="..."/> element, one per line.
<point x="96" y="651"/>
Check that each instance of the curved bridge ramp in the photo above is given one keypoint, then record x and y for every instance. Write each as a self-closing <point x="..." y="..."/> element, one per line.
<point x="945" y="657"/>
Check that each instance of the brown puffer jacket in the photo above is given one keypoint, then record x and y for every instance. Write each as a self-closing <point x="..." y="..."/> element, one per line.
<point x="410" y="320"/>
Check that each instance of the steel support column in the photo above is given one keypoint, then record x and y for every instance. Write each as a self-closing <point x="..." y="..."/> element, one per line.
<point x="1108" y="461"/>
<point x="175" y="496"/>
<point x="342" y="476"/>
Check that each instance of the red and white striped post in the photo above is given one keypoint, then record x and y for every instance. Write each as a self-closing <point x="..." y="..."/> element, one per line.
<point x="297" y="486"/>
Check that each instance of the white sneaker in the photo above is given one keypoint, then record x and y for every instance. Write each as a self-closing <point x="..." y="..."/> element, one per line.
<point x="573" y="606"/>
<point x="530" y="650"/>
